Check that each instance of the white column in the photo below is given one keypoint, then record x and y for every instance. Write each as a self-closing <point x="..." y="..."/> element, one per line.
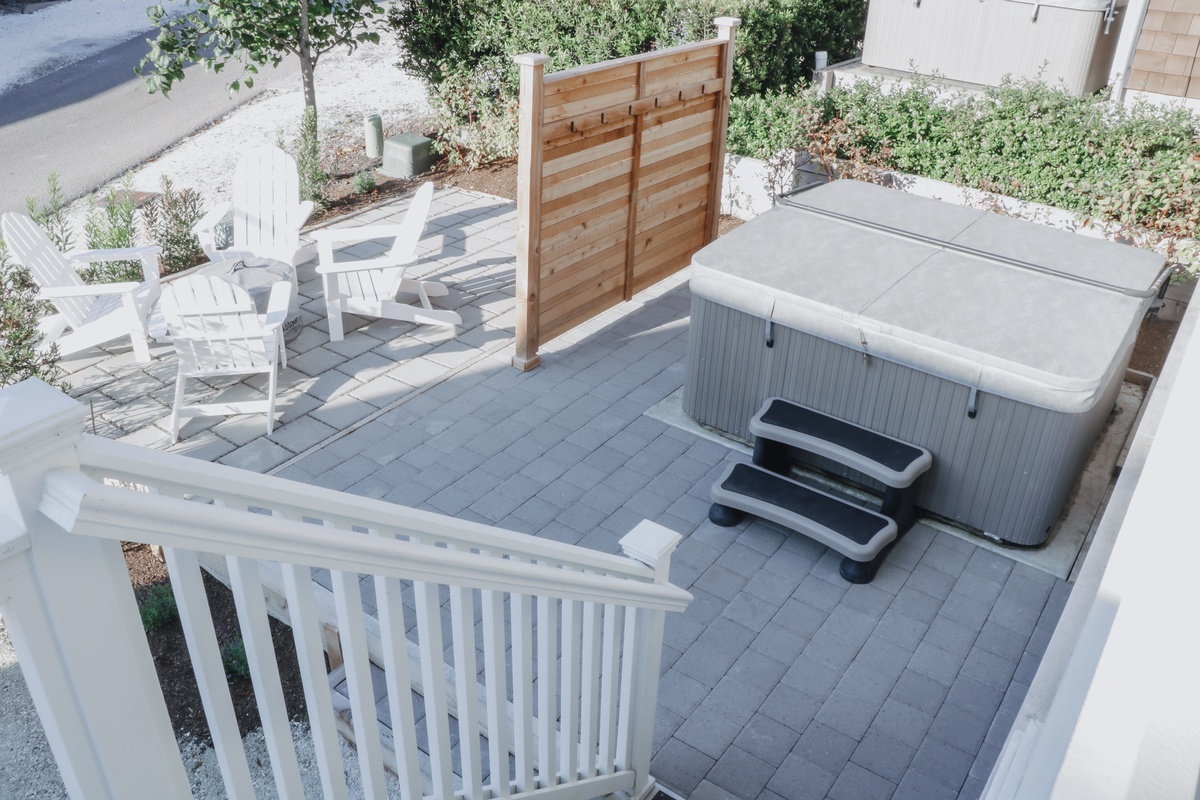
<point x="74" y="622"/>
<point x="652" y="545"/>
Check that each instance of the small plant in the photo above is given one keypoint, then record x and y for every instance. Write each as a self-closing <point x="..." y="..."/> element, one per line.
<point x="314" y="181"/>
<point x="168" y="220"/>
<point x="19" y="335"/>
<point x="233" y="659"/>
<point x="364" y="182"/>
<point x="52" y="216"/>
<point x="112" y="225"/>
<point x="157" y="606"/>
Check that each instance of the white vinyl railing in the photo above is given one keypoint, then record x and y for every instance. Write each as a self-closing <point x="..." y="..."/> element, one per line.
<point x="553" y="651"/>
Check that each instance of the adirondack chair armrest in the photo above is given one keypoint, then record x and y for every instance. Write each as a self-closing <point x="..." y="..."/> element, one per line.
<point x="361" y="233"/>
<point x="148" y="254"/>
<point x="303" y="212"/>
<point x="88" y="290"/>
<point x="277" y="305"/>
<point x="365" y="265"/>
<point x="210" y="219"/>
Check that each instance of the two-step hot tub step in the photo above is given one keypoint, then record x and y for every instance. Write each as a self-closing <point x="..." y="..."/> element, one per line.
<point x="764" y="489"/>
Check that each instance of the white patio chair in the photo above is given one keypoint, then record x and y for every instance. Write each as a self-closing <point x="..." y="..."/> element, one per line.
<point x="267" y="212"/>
<point x="217" y="331"/>
<point x="370" y="286"/>
<point x="94" y="314"/>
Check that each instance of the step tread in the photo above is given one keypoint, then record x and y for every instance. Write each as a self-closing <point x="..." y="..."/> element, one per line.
<point x="891" y="461"/>
<point x="852" y="530"/>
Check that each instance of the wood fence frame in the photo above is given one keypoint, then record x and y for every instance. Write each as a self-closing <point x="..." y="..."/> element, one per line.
<point x="610" y="123"/>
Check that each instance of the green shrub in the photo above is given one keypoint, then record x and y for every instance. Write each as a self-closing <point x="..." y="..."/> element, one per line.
<point x="52" y="216"/>
<point x="314" y="181"/>
<point x="364" y="182"/>
<point x="111" y="225"/>
<point x="19" y="334"/>
<point x="157" y="606"/>
<point x="474" y="125"/>
<point x="233" y="658"/>
<point x="168" y="219"/>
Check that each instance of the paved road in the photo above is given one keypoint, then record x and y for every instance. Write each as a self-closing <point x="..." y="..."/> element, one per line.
<point x="93" y="120"/>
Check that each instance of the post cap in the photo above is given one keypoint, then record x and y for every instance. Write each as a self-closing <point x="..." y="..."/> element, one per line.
<point x="531" y="59"/>
<point x="650" y="543"/>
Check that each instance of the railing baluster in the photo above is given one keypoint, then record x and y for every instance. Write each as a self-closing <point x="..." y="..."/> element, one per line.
<point x="306" y="630"/>
<point x="433" y="677"/>
<point x="495" y="676"/>
<point x="264" y="673"/>
<point x="631" y="656"/>
<point x="361" y="689"/>
<point x="390" y="602"/>
<point x="590" y="687"/>
<point x="466" y="685"/>
<point x="568" y="769"/>
<point x="522" y="660"/>
<point x="608" y="691"/>
<point x="547" y="680"/>
<point x="195" y="618"/>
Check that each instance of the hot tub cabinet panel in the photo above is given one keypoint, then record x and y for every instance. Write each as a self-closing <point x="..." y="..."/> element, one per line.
<point x="891" y="315"/>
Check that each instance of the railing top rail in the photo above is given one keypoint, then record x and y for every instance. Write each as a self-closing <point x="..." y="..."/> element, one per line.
<point x="85" y="507"/>
<point x="166" y="472"/>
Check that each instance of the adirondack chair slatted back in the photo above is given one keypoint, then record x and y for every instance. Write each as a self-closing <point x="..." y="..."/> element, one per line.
<point x="384" y="284"/>
<point x="215" y="327"/>
<point x="266" y="198"/>
<point x="49" y="267"/>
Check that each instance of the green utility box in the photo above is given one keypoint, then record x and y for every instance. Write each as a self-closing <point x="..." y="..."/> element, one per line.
<point x="406" y="155"/>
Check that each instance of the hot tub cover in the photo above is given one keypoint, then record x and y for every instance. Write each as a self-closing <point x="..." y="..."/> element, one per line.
<point x="1010" y="307"/>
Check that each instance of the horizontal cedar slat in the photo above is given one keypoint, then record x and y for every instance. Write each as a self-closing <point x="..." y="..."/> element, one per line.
<point x="570" y="145"/>
<point x="561" y="94"/>
<point x="593" y="265"/>
<point x="657" y="214"/>
<point x="619" y="93"/>
<point x="566" y="136"/>
<point x="705" y="104"/>
<point x="624" y="111"/>
<point x="670" y="187"/>
<point x="567" y="256"/>
<point x="683" y="75"/>
<point x="567" y="79"/>
<point x="676" y="56"/>
<point x="679" y="128"/>
<point x="550" y="328"/>
<point x="612" y="266"/>
<point x="678" y="260"/>
<point x="603" y="152"/>
<point x="582" y="204"/>
<point x="669" y="149"/>
<point x="649" y="239"/>
<point x="668" y="256"/>
<point x="585" y="226"/>
<point x="668" y="169"/>
<point x="563" y="184"/>
<point x="604" y="189"/>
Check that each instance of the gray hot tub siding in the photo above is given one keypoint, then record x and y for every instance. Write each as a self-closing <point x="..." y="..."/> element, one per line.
<point x="1007" y="471"/>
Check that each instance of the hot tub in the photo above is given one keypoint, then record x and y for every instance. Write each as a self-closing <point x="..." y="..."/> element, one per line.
<point x="998" y="344"/>
<point x="981" y="41"/>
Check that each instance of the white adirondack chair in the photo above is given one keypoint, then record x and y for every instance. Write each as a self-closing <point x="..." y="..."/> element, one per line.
<point x="217" y="331"/>
<point x="267" y="212"/>
<point x="88" y="314"/>
<point x="370" y="286"/>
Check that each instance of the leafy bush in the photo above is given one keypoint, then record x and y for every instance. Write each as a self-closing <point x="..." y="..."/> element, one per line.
<point x="156" y="605"/>
<point x="1134" y="167"/>
<point x="52" y="216"/>
<point x="364" y="182"/>
<point x="111" y="225"/>
<point x="474" y="124"/>
<point x="19" y="334"/>
<point x="233" y="658"/>
<point x="168" y="219"/>
<point x="314" y="181"/>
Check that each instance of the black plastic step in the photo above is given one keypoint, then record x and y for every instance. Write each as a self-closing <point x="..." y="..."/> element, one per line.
<point x="855" y="532"/>
<point x="889" y="460"/>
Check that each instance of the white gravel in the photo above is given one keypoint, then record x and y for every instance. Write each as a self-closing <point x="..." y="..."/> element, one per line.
<point x="348" y="89"/>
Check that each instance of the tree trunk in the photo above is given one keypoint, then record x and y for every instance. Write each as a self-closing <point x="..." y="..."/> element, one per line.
<point x="307" y="62"/>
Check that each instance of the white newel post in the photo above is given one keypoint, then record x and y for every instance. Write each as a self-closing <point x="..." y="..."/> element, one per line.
<point x="68" y="605"/>
<point x="652" y="545"/>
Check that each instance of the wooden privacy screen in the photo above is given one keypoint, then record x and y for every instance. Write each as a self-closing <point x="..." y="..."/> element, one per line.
<point x="619" y="179"/>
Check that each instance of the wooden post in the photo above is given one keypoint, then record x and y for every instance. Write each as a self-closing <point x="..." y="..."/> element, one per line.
<point x="67" y="602"/>
<point x="639" y="130"/>
<point x="529" y="210"/>
<point x="726" y="32"/>
<point x="652" y="545"/>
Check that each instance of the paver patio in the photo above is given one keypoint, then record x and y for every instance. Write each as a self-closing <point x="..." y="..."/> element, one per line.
<point x="780" y="680"/>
